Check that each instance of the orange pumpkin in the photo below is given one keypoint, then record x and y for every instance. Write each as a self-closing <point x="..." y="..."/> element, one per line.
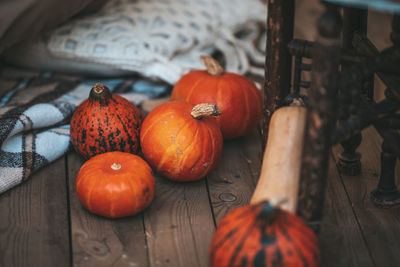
<point x="105" y="122"/>
<point x="237" y="97"/>
<point x="115" y="184"/>
<point x="261" y="235"/>
<point x="180" y="141"/>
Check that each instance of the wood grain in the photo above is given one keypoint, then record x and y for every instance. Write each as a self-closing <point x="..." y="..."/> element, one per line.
<point x="179" y="224"/>
<point x="34" y="220"/>
<point x="232" y="182"/>
<point x="98" y="241"/>
<point x="341" y="240"/>
<point x="380" y="227"/>
<point x="252" y="152"/>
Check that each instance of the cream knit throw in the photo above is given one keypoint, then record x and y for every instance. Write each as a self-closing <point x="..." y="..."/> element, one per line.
<point x="163" y="38"/>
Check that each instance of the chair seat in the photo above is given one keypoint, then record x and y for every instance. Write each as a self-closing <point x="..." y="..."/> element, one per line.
<point x="381" y="5"/>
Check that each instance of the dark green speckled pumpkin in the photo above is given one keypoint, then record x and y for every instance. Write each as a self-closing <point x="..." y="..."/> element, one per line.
<point x="105" y="122"/>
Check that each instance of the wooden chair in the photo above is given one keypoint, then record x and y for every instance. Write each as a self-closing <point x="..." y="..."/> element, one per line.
<point x="340" y="96"/>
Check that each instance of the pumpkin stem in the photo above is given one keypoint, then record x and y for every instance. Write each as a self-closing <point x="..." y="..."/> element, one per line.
<point x="213" y="66"/>
<point x="115" y="166"/>
<point x="297" y="102"/>
<point x="100" y="93"/>
<point x="204" y="110"/>
<point x="98" y="88"/>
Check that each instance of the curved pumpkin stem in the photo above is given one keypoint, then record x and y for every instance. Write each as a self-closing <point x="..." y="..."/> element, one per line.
<point x="100" y="93"/>
<point x="213" y="66"/>
<point x="204" y="110"/>
<point x="99" y="88"/>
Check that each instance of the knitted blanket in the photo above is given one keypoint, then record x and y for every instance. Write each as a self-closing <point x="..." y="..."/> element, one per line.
<point x="162" y="39"/>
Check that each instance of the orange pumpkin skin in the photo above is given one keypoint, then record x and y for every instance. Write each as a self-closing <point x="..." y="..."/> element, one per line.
<point x="105" y="122"/>
<point x="178" y="146"/>
<point x="112" y="192"/>
<point x="260" y="235"/>
<point x="237" y="97"/>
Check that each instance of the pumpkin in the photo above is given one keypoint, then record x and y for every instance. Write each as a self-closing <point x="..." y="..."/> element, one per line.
<point x="237" y="97"/>
<point x="261" y="235"/>
<point x="181" y="141"/>
<point x="105" y="122"/>
<point x="115" y="184"/>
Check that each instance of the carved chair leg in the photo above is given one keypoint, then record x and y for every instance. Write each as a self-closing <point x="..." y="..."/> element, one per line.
<point x="321" y="116"/>
<point x="354" y="21"/>
<point x="350" y="160"/>
<point x="386" y="194"/>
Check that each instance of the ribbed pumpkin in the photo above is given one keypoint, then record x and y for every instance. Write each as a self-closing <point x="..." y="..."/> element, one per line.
<point x="261" y="235"/>
<point x="180" y="141"/>
<point x="237" y="97"/>
<point x="115" y="184"/>
<point x="105" y="122"/>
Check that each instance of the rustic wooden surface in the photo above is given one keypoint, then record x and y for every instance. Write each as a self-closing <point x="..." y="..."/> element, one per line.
<point x="341" y="239"/>
<point x="42" y="222"/>
<point x="34" y="221"/>
<point x="97" y="241"/>
<point x="233" y="181"/>
<point x="380" y="227"/>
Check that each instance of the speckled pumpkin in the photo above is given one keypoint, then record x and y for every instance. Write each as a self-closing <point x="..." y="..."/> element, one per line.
<point x="237" y="97"/>
<point x="105" y="122"/>
<point x="180" y="141"/>
<point x="261" y="235"/>
<point x="115" y="184"/>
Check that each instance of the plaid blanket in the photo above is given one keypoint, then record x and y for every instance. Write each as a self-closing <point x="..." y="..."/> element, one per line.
<point x="34" y="117"/>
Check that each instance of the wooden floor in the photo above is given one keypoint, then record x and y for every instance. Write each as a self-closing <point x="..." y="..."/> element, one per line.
<point x="42" y="222"/>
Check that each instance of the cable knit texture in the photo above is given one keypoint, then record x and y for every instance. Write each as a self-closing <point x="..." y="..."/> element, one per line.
<point x="163" y="38"/>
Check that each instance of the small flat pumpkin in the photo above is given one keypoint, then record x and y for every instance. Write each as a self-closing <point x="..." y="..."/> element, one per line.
<point x="115" y="184"/>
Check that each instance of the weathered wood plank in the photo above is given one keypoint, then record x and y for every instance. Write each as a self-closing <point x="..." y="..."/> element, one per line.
<point x="341" y="240"/>
<point x="98" y="241"/>
<point x="179" y="224"/>
<point x="380" y="227"/>
<point x="252" y="152"/>
<point x="34" y="220"/>
<point x="232" y="182"/>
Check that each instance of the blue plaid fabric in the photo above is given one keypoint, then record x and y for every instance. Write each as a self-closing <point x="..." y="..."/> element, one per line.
<point x="34" y="121"/>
